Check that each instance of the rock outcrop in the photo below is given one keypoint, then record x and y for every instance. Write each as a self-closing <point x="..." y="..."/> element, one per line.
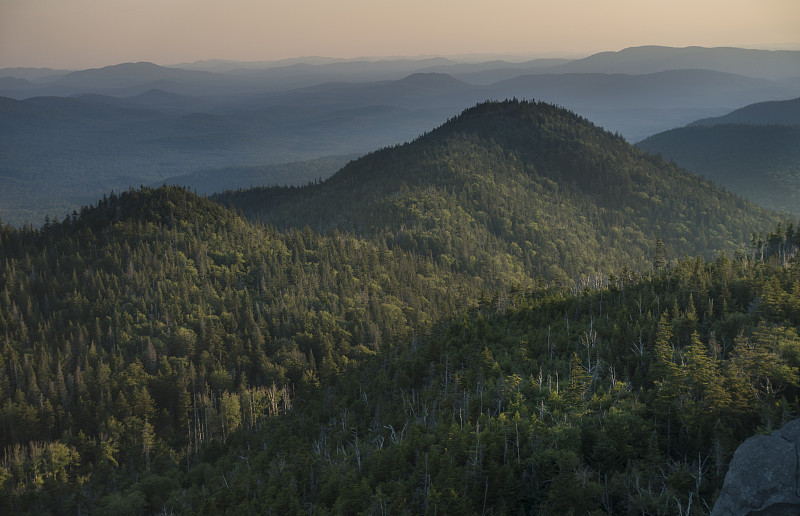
<point x="764" y="476"/>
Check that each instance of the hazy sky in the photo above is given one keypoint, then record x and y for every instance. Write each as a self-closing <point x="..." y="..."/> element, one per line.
<point x="91" y="33"/>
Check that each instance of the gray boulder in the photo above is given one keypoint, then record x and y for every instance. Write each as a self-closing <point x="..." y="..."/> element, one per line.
<point x="764" y="476"/>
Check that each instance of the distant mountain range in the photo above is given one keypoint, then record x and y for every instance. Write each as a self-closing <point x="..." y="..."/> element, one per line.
<point x="67" y="137"/>
<point x="60" y="152"/>
<point x="780" y="64"/>
<point x="770" y="64"/>
<point x="753" y="151"/>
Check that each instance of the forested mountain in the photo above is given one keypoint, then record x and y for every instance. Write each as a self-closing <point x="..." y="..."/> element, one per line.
<point x="516" y="186"/>
<point x="153" y="310"/>
<point x="753" y="151"/>
<point x="405" y="336"/>
<point x="73" y="136"/>
<point x="162" y="354"/>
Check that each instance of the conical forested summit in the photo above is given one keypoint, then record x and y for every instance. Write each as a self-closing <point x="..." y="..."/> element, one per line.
<point x="545" y="190"/>
<point x="161" y="353"/>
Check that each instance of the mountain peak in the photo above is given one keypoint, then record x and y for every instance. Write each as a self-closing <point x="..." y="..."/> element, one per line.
<point x="431" y="82"/>
<point x="520" y="122"/>
<point x="515" y="171"/>
<point x="137" y="67"/>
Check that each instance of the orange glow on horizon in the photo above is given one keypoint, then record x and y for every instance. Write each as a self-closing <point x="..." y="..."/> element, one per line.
<point x="91" y="33"/>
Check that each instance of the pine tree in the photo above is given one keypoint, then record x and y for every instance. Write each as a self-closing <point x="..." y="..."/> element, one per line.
<point x="659" y="255"/>
<point x="579" y="381"/>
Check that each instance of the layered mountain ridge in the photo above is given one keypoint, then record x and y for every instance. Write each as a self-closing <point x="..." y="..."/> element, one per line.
<point x="753" y="151"/>
<point x="173" y="122"/>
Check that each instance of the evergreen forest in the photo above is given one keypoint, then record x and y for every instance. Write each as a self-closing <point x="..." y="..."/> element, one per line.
<point x="516" y="313"/>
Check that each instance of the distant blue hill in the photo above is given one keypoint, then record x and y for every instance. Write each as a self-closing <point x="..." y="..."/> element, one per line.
<point x="753" y="151"/>
<point x="783" y="112"/>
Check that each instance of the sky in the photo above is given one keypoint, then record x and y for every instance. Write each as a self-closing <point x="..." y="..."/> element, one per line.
<point x="77" y="34"/>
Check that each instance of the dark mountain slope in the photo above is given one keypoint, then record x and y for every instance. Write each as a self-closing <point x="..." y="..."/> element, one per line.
<point x="780" y="112"/>
<point x="517" y="186"/>
<point x="758" y="162"/>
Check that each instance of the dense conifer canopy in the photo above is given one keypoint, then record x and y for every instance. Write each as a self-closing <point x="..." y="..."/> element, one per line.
<point x="497" y="317"/>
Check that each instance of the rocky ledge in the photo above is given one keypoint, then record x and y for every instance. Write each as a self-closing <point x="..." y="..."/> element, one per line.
<point x="764" y="476"/>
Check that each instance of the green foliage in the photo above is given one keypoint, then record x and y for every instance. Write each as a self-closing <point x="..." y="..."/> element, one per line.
<point x="513" y="190"/>
<point x="160" y="353"/>
<point x="494" y="410"/>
